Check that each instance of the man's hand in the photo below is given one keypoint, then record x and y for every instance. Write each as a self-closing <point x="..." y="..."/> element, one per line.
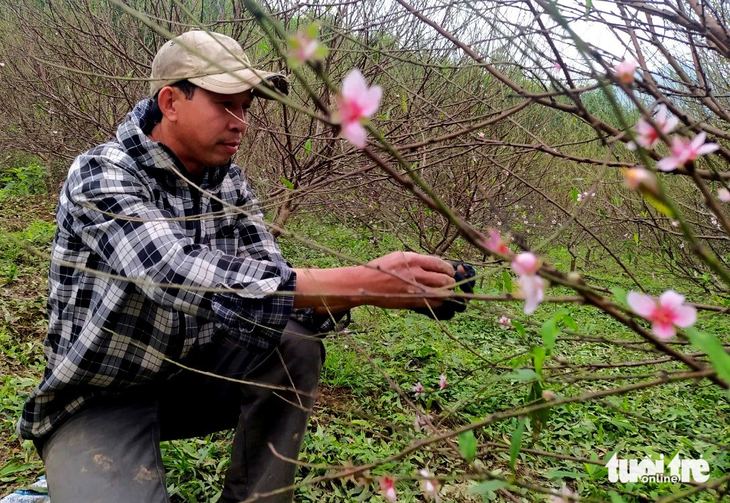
<point x="399" y="280"/>
<point x="401" y="274"/>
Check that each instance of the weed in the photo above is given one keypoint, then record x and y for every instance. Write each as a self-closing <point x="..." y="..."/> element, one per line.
<point x="22" y="181"/>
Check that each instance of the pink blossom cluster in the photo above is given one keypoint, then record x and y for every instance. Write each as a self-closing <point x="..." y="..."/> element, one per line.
<point x="526" y="265"/>
<point x="420" y="391"/>
<point x="625" y="71"/>
<point x="647" y="136"/>
<point x="430" y="486"/>
<point x="356" y="103"/>
<point x="585" y="195"/>
<point x="682" y="150"/>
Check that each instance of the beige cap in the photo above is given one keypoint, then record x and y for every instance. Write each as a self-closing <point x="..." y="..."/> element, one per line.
<point x="212" y="61"/>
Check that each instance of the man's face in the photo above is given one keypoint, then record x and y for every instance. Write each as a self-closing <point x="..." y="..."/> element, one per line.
<point x="208" y="128"/>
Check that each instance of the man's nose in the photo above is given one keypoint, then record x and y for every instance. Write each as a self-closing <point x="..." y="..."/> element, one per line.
<point x="238" y="121"/>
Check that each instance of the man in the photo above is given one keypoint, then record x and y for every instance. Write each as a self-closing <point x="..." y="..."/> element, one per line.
<point x="162" y="256"/>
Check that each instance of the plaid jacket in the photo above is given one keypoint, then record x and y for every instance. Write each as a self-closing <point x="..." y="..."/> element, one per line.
<point x="128" y="230"/>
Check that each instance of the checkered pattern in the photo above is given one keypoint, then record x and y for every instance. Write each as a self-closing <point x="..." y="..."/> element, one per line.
<point x="135" y="249"/>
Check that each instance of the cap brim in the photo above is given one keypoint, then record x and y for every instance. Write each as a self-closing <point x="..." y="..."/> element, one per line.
<point x="243" y="80"/>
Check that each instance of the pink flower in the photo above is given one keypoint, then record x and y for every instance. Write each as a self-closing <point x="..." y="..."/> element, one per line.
<point x="387" y="487"/>
<point x="442" y="382"/>
<point x="666" y="313"/>
<point x="495" y="243"/>
<point x="421" y="421"/>
<point x="505" y="323"/>
<point x="636" y="178"/>
<point x="418" y="389"/>
<point x="723" y="194"/>
<point x="429" y="485"/>
<point x="684" y="150"/>
<point x="525" y="264"/>
<point x="304" y="47"/>
<point x="557" y="67"/>
<point x="585" y="195"/>
<point x="646" y="135"/>
<point x="533" y="287"/>
<point x="625" y="71"/>
<point x="356" y="103"/>
<point x="480" y="135"/>
<point x="2" y="64"/>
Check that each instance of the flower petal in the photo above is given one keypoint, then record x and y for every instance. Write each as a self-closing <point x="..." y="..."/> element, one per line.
<point x="685" y="316"/>
<point x="698" y="140"/>
<point x="667" y="164"/>
<point x="533" y="287"/>
<point x="643" y="305"/>
<point x="525" y="264"/>
<point x="671" y="299"/>
<point x="663" y="330"/>
<point x="355" y="134"/>
<point x="370" y="100"/>
<point x="354" y="84"/>
<point x="707" y="148"/>
<point x="670" y="124"/>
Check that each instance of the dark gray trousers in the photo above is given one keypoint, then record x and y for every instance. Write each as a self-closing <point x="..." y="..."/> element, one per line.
<point x="110" y="453"/>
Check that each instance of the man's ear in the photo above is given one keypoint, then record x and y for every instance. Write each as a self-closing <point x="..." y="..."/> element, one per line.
<point x="167" y="100"/>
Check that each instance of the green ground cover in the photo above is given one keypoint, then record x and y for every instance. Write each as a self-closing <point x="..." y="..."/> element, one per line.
<point x="365" y="411"/>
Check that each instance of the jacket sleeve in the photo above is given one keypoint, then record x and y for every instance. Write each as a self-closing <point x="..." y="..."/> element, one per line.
<point x="113" y="213"/>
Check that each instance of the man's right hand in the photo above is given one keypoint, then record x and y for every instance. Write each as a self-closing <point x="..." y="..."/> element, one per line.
<point x="399" y="280"/>
<point x="399" y="275"/>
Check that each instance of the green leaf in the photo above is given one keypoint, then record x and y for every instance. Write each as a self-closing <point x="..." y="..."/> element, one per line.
<point x="12" y="467"/>
<point x="620" y="295"/>
<point x="507" y="281"/>
<point x="549" y="333"/>
<point x="589" y="7"/>
<point x="574" y="195"/>
<point x="468" y="445"/>
<point x="519" y="327"/>
<point x="313" y="30"/>
<point x="264" y="47"/>
<point x="616" y="497"/>
<point x="287" y="183"/>
<point x="307" y="146"/>
<point x="521" y="375"/>
<point x="715" y="351"/>
<point x="541" y="417"/>
<point x="569" y="322"/>
<point x="514" y="448"/>
<point x="488" y="486"/>
<point x="658" y="204"/>
<point x="538" y="357"/>
<point x="321" y="52"/>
